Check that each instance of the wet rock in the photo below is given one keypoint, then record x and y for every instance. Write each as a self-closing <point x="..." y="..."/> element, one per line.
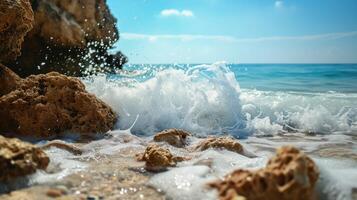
<point x="19" y="158"/>
<point x="289" y="175"/>
<point x="63" y="145"/>
<point x="49" y="105"/>
<point x="16" y="18"/>
<point x="68" y="37"/>
<point x="220" y="143"/>
<point x="175" y="137"/>
<point x="157" y="158"/>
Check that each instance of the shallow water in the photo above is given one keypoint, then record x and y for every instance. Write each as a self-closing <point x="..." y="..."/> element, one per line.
<point x="247" y="102"/>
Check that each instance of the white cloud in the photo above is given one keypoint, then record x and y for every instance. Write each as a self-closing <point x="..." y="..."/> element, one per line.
<point x="279" y="4"/>
<point x="223" y="38"/>
<point x="174" y="12"/>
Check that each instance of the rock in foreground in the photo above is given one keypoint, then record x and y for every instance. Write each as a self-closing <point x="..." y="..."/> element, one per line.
<point x="157" y="158"/>
<point x="174" y="137"/>
<point x="51" y="104"/>
<point x="19" y="158"/>
<point x="290" y="175"/>
<point x="16" y="19"/>
<point x="220" y="143"/>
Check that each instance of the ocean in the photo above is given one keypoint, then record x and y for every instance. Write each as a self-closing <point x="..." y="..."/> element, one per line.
<point x="236" y="99"/>
<point x="312" y="107"/>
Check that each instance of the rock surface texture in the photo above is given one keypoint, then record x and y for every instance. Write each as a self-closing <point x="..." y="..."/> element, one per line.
<point x="157" y="158"/>
<point x="19" y="158"/>
<point x="16" y="18"/>
<point x="174" y="137"/>
<point x="220" y="143"/>
<point x="69" y="36"/>
<point x="289" y="175"/>
<point x="51" y="104"/>
<point x="8" y="80"/>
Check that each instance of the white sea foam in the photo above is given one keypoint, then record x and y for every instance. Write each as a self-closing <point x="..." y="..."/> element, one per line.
<point x="207" y="99"/>
<point x="337" y="179"/>
<point x="204" y="100"/>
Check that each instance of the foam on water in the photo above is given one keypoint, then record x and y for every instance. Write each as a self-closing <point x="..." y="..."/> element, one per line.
<point x="204" y="99"/>
<point x="189" y="180"/>
<point x="337" y="179"/>
<point x="207" y="99"/>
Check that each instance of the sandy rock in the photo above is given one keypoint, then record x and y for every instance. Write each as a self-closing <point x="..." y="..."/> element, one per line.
<point x="289" y="175"/>
<point x="19" y="158"/>
<point x="8" y="80"/>
<point x="157" y="158"/>
<point x="16" y="18"/>
<point x="63" y="32"/>
<point x="175" y="137"/>
<point x="51" y="104"/>
<point x="220" y="143"/>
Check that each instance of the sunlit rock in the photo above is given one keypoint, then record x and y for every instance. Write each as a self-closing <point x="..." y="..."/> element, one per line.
<point x="16" y="18"/>
<point x="70" y="37"/>
<point x="19" y="158"/>
<point x="157" y="158"/>
<point x="226" y="143"/>
<point x="289" y="175"/>
<point x="51" y="104"/>
<point x="174" y="137"/>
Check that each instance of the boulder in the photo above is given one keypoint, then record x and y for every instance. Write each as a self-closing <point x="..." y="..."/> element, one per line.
<point x="52" y="104"/>
<point x="71" y="37"/>
<point x="174" y="137"/>
<point x="19" y="159"/>
<point x="156" y="158"/>
<point x="16" y="18"/>
<point x="289" y="175"/>
<point x="220" y="143"/>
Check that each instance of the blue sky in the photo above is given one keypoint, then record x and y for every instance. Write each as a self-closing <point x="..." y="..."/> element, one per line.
<point x="237" y="31"/>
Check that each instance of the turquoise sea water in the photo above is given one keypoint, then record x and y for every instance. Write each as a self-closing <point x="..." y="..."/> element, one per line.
<point x="283" y="77"/>
<point x="298" y="77"/>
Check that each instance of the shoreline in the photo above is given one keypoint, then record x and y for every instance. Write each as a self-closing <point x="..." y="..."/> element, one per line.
<point x="121" y="176"/>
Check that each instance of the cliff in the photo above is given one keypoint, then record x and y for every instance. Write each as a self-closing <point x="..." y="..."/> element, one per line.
<point x="71" y="37"/>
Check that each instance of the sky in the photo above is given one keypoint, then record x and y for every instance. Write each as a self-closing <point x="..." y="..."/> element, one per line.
<point x="237" y="31"/>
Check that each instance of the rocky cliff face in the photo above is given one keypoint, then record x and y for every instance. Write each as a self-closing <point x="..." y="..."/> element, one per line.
<point x="70" y="37"/>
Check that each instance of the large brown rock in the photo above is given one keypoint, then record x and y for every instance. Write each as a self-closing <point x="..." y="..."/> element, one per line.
<point x="63" y="33"/>
<point x="16" y="19"/>
<point x="289" y="175"/>
<point x="51" y="104"/>
<point x="19" y="158"/>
